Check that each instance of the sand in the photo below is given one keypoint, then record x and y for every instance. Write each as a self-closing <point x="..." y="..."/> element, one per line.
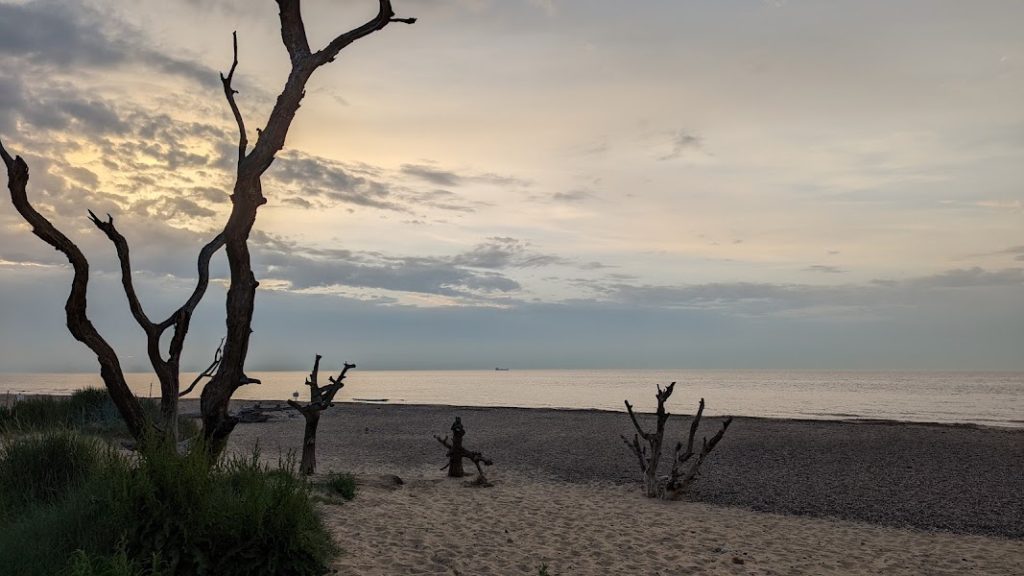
<point x="779" y="497"/>
<point x="437" y="526"/>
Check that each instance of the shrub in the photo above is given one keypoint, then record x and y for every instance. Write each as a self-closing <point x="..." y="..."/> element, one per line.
<point x="343" y="484"/>
<point x="167" y="514"/>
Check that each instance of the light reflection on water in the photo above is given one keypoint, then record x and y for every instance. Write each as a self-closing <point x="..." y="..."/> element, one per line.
<point x="990" y="398"/>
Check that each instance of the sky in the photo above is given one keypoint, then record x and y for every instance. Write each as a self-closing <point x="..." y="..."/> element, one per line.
<point x="537" y="184"/>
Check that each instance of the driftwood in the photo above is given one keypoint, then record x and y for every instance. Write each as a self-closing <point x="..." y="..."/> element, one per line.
<point x="685" y="462"/>
<point x="320" y="399"/>
<point x="456" y="452"/>
<point x="246" y="198"/>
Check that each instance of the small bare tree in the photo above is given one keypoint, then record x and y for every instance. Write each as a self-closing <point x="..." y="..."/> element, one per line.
<point x="246" y="198"/>
<point x="320" y="399"/>
<point x="685" y="463"/>
<point x="456" y="452"/>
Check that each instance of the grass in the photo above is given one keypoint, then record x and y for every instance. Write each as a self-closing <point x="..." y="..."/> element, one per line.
<point x="89" y="410"/>
<point x="72" y="505"/>
<point x="39" y="470"/>
<point x="342" y="484"/>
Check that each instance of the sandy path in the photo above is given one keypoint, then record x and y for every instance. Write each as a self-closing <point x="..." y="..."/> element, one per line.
<point x="436" y="526"/>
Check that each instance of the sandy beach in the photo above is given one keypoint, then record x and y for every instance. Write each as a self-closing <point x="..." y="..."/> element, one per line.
<point x="778" y="497"/>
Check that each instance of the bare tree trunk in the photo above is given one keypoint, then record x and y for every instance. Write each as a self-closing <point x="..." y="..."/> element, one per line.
<point x="320" y="399"/>
<point x="648" y="452"/>
<point x="456" y="452"/>
<point x="308" y="466"/>
<point x="246" y="199"/>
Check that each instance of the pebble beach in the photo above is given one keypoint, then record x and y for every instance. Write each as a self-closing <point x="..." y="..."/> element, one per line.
<point x="776" y="497"/>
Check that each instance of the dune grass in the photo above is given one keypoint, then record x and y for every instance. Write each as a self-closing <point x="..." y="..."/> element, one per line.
<point x="89" y="410"/>
<point x="73" y="505"/>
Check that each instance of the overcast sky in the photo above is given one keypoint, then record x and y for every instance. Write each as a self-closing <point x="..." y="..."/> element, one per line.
<point x="530" y="183"/>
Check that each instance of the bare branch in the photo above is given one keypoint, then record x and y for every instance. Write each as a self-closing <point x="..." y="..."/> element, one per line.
<point x="121" y="245"/>
<point x="444" y="442"/>
<point x="181" y="317"/>
<point x="385" y="15"/>
<point x="632" y="416"/>
<point x="293" y="31"/>
<point x="229" y="93"/>
<point x="8" y="161"/>
<point x="208" y="373"/>
<point x="678" y="480"/>
<point x="76" y="308"/>
<point x="693" y="432"/>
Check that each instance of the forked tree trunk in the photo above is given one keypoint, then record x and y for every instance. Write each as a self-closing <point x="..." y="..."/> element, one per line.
<point x="685" y="464"/>
<point x="247" y="197"/>
<point x="320" y="399"/>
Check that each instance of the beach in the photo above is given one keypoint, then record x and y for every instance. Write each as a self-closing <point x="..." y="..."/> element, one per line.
<point x="776" y="497"/>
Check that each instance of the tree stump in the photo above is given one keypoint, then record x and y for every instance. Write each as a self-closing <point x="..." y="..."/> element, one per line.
<point x="456" y="452"/>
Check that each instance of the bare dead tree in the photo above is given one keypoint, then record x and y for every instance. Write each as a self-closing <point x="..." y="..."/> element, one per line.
<point x="320" y="399"/>
<point x="247" y="197"/>
<point x="456" y="452"/>
<point x="685" y="464"/>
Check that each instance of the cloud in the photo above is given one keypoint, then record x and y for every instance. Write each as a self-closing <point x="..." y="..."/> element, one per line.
<point x="504" y="252"/>
<point x="451" y="179"/>
<point x="575" y="195"/>
<point x="766" y="298"/>
<point x="312" y="180"/>
<point x="169" y="208"/>
<point x="432" y="175"/>
<point x="1016" y="251"/>
<point x="824" y="269"/>
<point x="304" y="268"/>
<point x="683" y="141"/>
<point x="312" y="177"/>
<point x="67" y="35"/>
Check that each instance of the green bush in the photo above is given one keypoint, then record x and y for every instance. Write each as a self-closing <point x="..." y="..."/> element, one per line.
<point x="166" y="514"/>
<point x="343" y="484"/>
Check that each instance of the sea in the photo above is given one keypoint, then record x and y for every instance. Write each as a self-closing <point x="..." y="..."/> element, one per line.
<point x="983" y="398"/>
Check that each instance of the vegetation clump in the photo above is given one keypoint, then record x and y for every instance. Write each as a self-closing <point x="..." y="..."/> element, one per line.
<point x="342" y="484"/>
<point x="72" y="505"/>
<point x="90" y="410"/>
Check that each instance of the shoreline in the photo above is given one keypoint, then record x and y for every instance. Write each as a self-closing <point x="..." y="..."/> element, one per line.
<point x="1018" y="425"/>
<point x="193" y="403"/>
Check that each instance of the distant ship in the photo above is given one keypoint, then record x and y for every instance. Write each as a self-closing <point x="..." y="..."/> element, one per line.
<point x="502" y="369"/>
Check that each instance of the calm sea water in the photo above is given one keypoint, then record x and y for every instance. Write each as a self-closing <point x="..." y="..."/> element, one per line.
<point x="989" y="398"/>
